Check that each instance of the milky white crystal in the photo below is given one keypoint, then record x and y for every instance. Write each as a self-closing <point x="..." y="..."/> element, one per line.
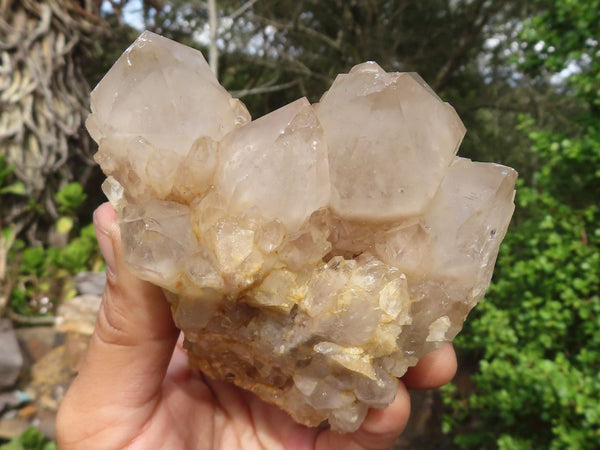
<point x="312" y="255"/>
<point x="369" y="115"/>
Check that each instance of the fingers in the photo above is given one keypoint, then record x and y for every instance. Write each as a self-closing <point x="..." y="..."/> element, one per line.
<point x="433" y="370"/>
<point x="133" y="340"/>
<point x="383" y="426"/>
<point x="380" y="429"/>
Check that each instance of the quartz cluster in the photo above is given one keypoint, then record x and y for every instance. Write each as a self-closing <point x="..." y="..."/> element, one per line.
<point x="314" y="254"/>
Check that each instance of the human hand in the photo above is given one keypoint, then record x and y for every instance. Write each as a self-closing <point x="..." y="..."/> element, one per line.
<point x="135" y="389"/>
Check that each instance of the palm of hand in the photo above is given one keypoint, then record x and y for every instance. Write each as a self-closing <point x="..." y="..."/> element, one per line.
<point x="196" y="412"/>
<point x="191" y="411"/>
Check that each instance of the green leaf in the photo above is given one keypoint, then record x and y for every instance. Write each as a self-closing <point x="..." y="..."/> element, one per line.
<point x="17" y="188"/>
<point x="34" y="259"/>
<point x="70" y="197"/>
<point x="31" y="439"/>
<point x="64" y="225"/>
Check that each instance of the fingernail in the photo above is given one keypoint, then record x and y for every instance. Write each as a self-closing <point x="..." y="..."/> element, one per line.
<point x="106" y="248"/>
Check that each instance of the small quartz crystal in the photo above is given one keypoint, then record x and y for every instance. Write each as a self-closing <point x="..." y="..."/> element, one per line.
<point x="310" y="256"/>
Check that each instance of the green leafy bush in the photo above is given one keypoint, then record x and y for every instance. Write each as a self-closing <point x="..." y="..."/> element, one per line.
<point x="70" y="197"/>
<point x="31" y="439"/>
<point x="43" y="274"/>
<point x="536" y="333"/>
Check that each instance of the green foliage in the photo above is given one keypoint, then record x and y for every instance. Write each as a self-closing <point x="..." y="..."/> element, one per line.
<point x="7" y="183"/>
<point x="70" y="197"/>
<point x="536" y="334"/>
<point x="34" y="261"/>
<point x="31" y="439"/>
<point x="74" y="257"/>
<point x="42" y="271"/>
<point x="565" y="35"/>
<point x="77" y="255"/>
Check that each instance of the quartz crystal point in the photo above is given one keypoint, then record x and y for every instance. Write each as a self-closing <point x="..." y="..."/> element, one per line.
<point x="310" y="256"/>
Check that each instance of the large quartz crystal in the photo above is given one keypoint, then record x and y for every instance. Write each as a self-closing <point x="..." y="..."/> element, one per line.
<point x="312" y="255"/>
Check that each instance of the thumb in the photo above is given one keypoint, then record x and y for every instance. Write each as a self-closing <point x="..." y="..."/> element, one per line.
<point x="134" y="313"/>
<point x="133" y="340"/>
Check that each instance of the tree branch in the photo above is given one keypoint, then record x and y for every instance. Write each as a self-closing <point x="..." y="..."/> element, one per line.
<point x="213" y="55"/>
<point x="265" y="88"/>
<point x="291" y="26"/>
<point x="466" y="43"/>
<point x="242" y="9"/>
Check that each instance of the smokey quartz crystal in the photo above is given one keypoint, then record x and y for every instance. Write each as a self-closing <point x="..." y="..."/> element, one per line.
<point x="314" y="254"/>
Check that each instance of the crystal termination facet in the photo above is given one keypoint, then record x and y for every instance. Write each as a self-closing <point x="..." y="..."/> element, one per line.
<point x="312" y="255"/>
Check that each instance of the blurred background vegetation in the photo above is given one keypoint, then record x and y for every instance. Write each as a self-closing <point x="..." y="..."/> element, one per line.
<point x="523" y="75"/>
